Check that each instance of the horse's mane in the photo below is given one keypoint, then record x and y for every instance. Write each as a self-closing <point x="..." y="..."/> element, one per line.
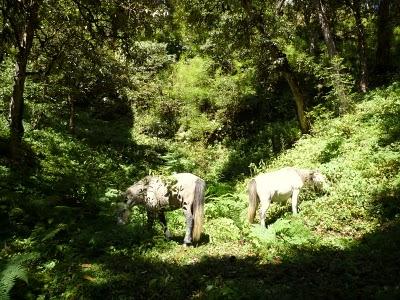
<point x="305" y="174"/>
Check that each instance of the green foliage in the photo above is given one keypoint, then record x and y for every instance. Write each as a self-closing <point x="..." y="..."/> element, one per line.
<point x="10" y="274"/>
<point x="340" y="149"/>
<point x="226" y="205"/>
<point x="213" y="116"/>
<point x="14" y="270"/>
<point x="340" y="84"/>
<point x="222" y="230"/>
<point x="358" y="152"/>
<point x="224" y="117"/>
<point x="281" y="237"/>
<point x="201" y="103"/>
<point x="6" y="68"/>
<point x="333" y="82"/>
<point x="69" y="166"/>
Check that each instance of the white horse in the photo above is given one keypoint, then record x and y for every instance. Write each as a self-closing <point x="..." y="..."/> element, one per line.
<point x="279" y="186"/>
<point x="159" y="194"/>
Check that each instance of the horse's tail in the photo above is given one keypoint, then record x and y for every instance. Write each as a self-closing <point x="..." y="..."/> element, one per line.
<point x="253" y="200"/>
<point x="198" y="208"/>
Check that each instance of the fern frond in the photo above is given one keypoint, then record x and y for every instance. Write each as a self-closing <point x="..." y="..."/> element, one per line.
<point x="10" y="274"/>
<point x="14" y="271"/>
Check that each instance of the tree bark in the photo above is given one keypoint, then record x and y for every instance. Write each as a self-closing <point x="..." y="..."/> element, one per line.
<point x="384" y="36"/>
<point x="312" y="30"/>
<point x="71" y="114"/>
<point x="298" y="97"/>
<point x="326" y="28"/>
<point x="24" y="33"/>
<point x="280" y="60"/>
<point x="361" y="45"/>
<point x="17" y="105"/>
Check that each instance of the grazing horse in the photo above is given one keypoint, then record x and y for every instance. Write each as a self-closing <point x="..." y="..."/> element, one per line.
<point x="158" y="194"/>
<point x="279" y="186"/>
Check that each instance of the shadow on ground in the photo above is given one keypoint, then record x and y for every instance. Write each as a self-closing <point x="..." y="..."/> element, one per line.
<point x="368" y="270"/>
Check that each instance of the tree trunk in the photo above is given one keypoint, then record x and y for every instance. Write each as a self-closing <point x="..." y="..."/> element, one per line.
<point x="24" y="37"/>
<point x="299" y="99"/>
<point x="312" y="30"/>
<point x="281" y="63"/>
<point x="384" y="36"/>
<point x="326" y="28"/>
<point x="17" y="105"/>
<point x="361" y="45"/>
<point x="71" y="114"/>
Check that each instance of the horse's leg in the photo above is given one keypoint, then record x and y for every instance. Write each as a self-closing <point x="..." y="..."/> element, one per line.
<point x="189" y="224"/>
<point x="295" y="197"/>
<point x="163" y="220"/>
<point x="265" y="202"/>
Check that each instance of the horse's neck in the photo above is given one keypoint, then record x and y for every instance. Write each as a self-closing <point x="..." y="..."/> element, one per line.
<point x="157" y="193"/>
<point x="304" y="174"/>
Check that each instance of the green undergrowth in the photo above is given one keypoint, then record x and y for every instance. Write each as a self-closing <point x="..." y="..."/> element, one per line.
<point x="344" y="243"/>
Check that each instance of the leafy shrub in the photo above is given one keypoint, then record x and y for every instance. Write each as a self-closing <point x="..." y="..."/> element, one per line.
<point x="225" y="205"/>
<point x="222" y="230"/>
<point x="332" y="78"/>
<point x="282" y="236"/>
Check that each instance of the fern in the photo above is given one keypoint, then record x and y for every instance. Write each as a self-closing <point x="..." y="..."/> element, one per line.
<point x="285" y="232"/>
<point x="12" y="272"/>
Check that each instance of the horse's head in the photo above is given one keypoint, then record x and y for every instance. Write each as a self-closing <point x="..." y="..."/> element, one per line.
<point x="319" y="180"/>
<point x="122" y="213"/>
<point x="134" y="195"/>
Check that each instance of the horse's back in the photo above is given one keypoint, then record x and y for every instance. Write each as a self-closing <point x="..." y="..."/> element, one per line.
<point x="278" y="183"/>
<point x="285" y="175"/>
<point x="188" y="180"/>
<point x="186" y="177"/>
<point x="187" y="183"/>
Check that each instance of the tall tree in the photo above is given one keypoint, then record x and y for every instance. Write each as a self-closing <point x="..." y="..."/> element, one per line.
<point x="44" y="24"/>
<point x="281" y="62"/>
<point x="323" y="16"/>
<point x="384" y="37"/>
<point x="22" y="17"/>
<point x="355" y="6"/>
<point x="241" y="27"/>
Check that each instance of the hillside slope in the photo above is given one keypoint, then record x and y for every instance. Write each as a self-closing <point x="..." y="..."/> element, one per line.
<point x="343" y="244"/>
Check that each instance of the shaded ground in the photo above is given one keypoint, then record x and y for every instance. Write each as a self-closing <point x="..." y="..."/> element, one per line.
<point x="80" y="253"/>
<point x="109" y="262"/>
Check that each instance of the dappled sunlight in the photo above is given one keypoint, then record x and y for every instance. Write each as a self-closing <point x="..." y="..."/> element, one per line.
<point x="142" y="143"/>
<point x="343" y="243"/>
<point x="230" y="268"/>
